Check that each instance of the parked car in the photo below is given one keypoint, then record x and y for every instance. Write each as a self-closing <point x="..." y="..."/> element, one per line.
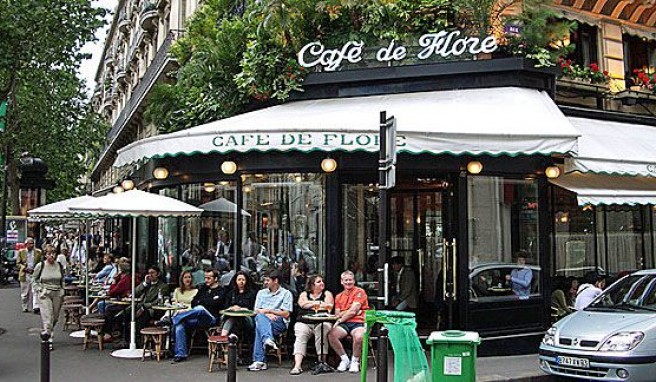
<point x="487" y="281"/>
<point x="613" y="339"/>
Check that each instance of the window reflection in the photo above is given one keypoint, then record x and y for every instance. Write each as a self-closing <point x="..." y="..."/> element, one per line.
<point x="503" y="238"/>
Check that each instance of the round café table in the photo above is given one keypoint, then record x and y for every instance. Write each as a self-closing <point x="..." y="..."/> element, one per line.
<point x="238" y="312"/>
<point x="320" y="318"/>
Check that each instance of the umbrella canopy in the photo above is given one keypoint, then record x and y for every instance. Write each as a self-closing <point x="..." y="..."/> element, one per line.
<point x="58" y="210"/>
<point x="135" y="203"/>
<point x="222" y="205"/>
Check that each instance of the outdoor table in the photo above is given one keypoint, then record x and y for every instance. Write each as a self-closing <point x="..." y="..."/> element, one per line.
<point x="124" y="301"/>
<point x="238" y="313"/>
<point x="320" y="318"/>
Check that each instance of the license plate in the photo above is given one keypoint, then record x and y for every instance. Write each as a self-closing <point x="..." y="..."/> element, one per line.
<point x="574" y="362"/>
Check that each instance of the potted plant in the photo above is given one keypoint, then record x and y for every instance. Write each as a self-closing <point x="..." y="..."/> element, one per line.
<point x="643" y="80"/>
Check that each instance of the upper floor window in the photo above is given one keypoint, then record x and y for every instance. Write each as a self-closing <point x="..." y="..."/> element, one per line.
<point x="638" y="54"/>
<point x="585" y="41"/>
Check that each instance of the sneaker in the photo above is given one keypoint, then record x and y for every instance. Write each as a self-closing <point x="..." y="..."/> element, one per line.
<point x="296" y="371"/>
<point x="271" y="343"/>
<point x="179" y="359"/>
<point x="257" y="366"/>
<point x="36" y="311"/>
<point x="344" y="365"/>
<point x="355" y="367"/>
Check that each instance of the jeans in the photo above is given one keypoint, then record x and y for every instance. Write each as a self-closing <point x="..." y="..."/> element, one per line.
<point x="265" y="329"/>
<point x="191" y="319"/>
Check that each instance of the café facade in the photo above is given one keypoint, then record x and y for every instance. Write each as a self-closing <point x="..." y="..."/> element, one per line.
<point x="488" y="165"/>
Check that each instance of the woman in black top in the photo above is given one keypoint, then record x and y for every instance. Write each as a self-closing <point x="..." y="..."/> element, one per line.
<point x="241" y="296"/>
<point x="314" y="298"/>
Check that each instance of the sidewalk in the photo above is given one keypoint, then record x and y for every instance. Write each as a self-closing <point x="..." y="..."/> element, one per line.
<point x="20" y="350"/>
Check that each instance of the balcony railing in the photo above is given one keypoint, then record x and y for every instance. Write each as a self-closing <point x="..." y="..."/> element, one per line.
<point x="145" y="85"/>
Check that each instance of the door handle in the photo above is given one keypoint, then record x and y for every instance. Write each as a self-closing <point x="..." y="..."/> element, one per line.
<point x="385" y="297"/>
<point x="421" y="267"/>
<point x="444" y="269"/>
<point x="454" y="267"/>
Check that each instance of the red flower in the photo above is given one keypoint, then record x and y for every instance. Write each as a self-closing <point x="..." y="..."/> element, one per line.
<point x="594" y="67"/>
<point x="605" y="72"/>
<point x="641" y="75"/>
<point x="636" y="71"/>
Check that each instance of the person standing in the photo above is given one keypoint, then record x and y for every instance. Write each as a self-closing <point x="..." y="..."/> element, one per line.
<point x="48" y="285"/>
<point x="28" y="257"/>
<point x="405" y="286"/>
<point x="273" y="305"/>
<point x="350" y="306"/>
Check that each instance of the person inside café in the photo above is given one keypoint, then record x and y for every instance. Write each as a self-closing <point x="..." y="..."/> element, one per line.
<point x="205" y="308"/>
<point x="273" y="306"/>
<point x="223" y="246"/>
<point x="405" y="285"/>
<point x="350" y="306"/>
<point x="313" y="299"/>
<point x="521" y="277"/>
<point x="241" y="296"/>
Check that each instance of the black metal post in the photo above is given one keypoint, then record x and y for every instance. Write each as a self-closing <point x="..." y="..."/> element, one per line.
<point x="231" y="375"/>
<point x="381" y="355"/>
<point x="382" y="212"/>
<point x="45" y="357"/>
<point x="239" y="224"/>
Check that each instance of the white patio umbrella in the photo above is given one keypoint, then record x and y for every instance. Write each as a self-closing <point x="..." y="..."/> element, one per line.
<point x="61" y="210"/>
<point x="222" y="205"/>
<point x="134" y="204"/>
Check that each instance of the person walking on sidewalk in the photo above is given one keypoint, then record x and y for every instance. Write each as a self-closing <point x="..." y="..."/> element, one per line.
<point x="49" y="287"/>
<point x="273" y="305"/>
<point x="28" y="257"/>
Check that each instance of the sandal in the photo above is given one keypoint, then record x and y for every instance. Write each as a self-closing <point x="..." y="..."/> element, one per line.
<point x="296" y="371"/>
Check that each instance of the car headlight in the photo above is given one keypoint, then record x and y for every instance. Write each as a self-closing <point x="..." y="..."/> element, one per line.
<point x="623" y="341"/>
<point x="550" y="337"/>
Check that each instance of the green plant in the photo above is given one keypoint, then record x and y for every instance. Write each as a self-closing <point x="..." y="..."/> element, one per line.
<point x="644" y="78"/>
<point x="590" y="73"/>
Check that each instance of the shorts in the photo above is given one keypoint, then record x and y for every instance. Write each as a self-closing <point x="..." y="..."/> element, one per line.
<point x="351" y="326"/>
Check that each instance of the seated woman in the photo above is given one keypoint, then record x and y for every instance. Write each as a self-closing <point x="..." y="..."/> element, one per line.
<point x="120" y="288"/>
<point x="558" y="300"/>
<point x="240" y="296"/>
<point x="315" y="294"/>
<point x="186" y="291"/>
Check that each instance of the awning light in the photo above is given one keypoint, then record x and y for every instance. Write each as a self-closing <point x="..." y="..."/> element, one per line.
<point x="552" y="172"/>
<point x="329" y="165"/>
<point x="474" y="167"/>
<point x="228" y="167"/>
<point x="127" y="184"/>
<point x="160" y="173"/>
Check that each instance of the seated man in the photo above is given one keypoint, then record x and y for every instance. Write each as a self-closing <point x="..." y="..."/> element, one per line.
<point x="349" y="309"/>
<point x="204" y="312"/>
<point x="520" y="278"/>
<point x="150" y="292"/>
<point x="273" y="306"/>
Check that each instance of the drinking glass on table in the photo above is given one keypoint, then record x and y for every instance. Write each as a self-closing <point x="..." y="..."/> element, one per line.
<point x="316" y="306"/>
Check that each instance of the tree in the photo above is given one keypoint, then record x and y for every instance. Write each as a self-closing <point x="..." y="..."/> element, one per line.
<point x="48" y="113"/>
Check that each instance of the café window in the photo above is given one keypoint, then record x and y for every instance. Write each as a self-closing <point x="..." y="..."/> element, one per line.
<point x="284" y="225"/>
<point x="625" y="238"/>
<point x="503" y="239"/>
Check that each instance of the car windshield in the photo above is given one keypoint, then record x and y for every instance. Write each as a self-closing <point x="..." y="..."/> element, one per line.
<point x="633" y="293"/>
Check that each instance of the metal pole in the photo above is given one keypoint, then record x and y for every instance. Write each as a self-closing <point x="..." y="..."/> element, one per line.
<point x="382" y="213"/>
<point x="45" y="357"/>
<point x="381" y="355"/>
<point x="231" y="374"/>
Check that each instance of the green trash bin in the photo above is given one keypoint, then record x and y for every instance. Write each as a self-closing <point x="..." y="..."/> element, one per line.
<point x="453" y="355"/>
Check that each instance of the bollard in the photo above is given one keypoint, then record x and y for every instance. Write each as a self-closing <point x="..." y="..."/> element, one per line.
<point x="381" y="355"/>
<point x="231" y="375"/>
<point x="45" y="357"/>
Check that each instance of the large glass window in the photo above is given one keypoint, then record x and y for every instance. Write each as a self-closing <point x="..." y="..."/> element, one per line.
<point x="625" y="241"/>
<point x="503" y="238"/>
<point x="360" y="232"/>
<point x="284" y="225"/>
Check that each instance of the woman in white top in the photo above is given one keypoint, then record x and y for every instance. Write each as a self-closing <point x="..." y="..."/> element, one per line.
<point x="48" y="280"/>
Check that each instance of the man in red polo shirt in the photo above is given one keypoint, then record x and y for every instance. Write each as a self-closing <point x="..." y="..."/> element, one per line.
<point x="349" y="309"/>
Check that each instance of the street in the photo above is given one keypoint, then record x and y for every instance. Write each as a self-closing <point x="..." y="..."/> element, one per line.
<point x="20" y="350"/>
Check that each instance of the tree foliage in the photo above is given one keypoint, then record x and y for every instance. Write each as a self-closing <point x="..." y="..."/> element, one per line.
<point x="48" y="112"/>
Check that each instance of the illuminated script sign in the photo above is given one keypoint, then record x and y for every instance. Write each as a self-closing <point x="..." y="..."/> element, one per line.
<point x="443" y="43"/>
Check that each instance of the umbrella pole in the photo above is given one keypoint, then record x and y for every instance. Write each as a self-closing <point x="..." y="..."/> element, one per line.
<point x="132" y="352"/>
<point x="85" y="264"/>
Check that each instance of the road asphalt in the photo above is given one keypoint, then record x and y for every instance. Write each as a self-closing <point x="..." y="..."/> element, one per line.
<point x="20" y="359"/>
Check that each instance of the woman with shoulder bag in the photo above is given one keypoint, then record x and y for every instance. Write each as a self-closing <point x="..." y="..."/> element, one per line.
<point x="48" y="283"/>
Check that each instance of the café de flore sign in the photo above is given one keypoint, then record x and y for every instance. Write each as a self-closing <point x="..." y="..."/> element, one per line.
<point x="443" y="44"/>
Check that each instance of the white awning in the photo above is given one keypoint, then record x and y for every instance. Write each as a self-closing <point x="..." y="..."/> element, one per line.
<point x="494" y="121"/>
<point x="599" y="189"/>
<point x="607" y="147"/>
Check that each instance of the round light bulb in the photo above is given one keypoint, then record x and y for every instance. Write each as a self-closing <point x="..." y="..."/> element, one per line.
<point x="552" y="172"/>
<point x="127" y="184"/>
<point x="329" y="165"/>
<point x="474" y="167"/>
<point x="160" y="173"/>
<point x="117" y="189"/>
<point x="209" y="187"/>
<point x="228" y="167"/>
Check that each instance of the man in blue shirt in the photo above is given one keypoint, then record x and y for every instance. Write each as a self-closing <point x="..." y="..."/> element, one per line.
<point x="520" y="278"/>
<point x="273" y="306"/>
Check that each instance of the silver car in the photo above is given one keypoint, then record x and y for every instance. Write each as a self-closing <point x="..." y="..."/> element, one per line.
<point x="613" y="339"/>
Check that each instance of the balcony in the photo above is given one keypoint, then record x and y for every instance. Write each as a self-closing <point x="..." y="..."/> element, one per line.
<point x="121" y="75"/>
<point x="124" y="23"/>
<point x="149" y="16"/>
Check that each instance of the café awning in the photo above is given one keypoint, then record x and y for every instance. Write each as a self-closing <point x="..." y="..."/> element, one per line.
<point x="600" y="189"/>
<point x="607" y="147"/>
<point x="493" y="121"/>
